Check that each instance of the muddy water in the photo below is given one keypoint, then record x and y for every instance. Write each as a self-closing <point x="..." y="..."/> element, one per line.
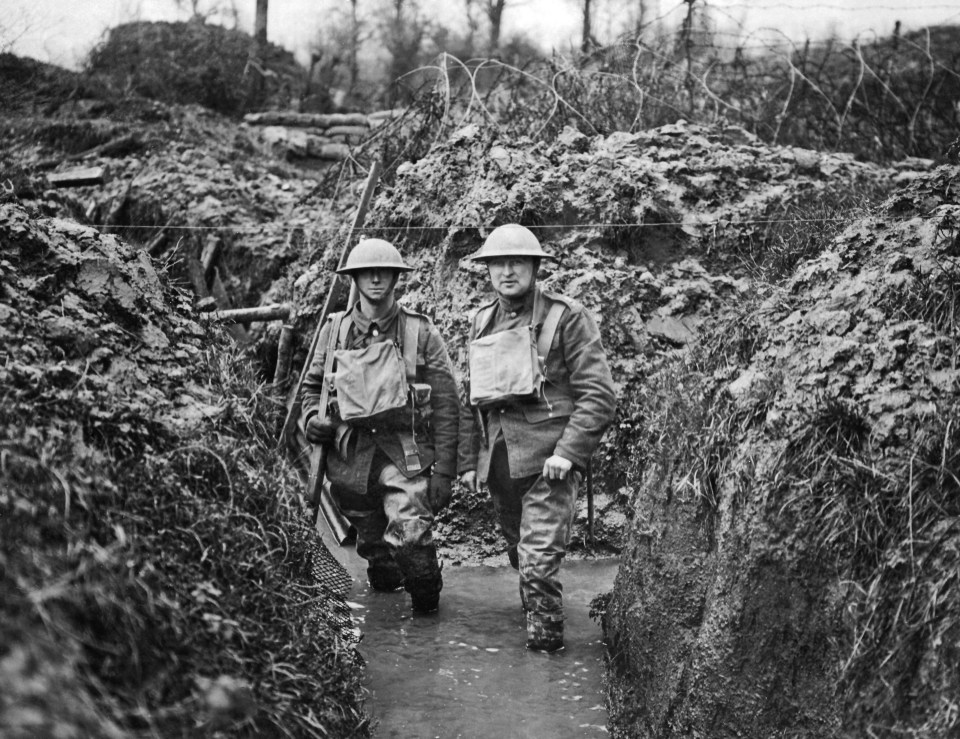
<point x="465" y="673"/>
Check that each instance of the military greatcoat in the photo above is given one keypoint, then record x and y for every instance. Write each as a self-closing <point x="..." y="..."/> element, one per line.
<point x="577" y="404"/>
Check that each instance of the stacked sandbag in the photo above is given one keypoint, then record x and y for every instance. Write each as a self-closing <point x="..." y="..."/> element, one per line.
<point x="323" y="136"/>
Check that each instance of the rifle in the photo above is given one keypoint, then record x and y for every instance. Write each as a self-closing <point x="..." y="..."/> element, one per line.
<point x="318" y="493"/>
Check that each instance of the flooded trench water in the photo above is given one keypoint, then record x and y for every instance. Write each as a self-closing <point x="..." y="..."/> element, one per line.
<point x="465" y="673"/>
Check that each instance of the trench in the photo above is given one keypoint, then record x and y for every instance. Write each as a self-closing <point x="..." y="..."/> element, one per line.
<point x="465" y="673"/>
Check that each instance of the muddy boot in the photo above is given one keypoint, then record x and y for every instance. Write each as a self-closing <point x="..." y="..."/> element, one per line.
<point x="423" y="580"/>
<point x="544" y="632"/>
<point x="514" y="558"/>
<point x="424" y="593"/>
<point x="385" y="576"/>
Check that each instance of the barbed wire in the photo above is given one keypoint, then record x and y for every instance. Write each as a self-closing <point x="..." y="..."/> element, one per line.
<point x="879" y="38"/>
<point x="802" y="47"/>
<point x="755" y="41"/>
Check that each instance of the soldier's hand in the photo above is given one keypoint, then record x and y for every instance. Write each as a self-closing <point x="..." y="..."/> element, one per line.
<point x="556" y="468"/>
<point x="469" y="480"/>
<point x="320" y="430"/>
<point x="440" y="492"/>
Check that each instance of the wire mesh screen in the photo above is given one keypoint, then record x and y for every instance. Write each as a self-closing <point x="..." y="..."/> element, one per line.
<point x="335" y="583"/>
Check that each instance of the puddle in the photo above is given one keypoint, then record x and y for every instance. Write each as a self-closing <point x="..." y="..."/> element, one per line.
<point x="465" y="673"/>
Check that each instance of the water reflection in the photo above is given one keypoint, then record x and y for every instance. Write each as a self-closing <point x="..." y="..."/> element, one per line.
<point x="465" y="672"/>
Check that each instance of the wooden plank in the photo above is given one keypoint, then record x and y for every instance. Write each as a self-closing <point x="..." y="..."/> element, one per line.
<point x="303" y="120"/>
<point x="77" y="177"/>
<point x="114" y="148"/>
<point x="274" y="312"/>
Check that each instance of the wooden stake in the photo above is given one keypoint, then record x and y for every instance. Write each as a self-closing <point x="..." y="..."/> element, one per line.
<point x="284" y="353"/>
<point x="210" y="257"/>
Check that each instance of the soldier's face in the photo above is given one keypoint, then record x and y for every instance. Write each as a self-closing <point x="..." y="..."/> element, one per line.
<point x="512" y="277"/>
<point x="376" y="285"/>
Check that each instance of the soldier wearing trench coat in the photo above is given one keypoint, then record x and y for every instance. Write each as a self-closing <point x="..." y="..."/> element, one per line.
<point x="532" y="454"/>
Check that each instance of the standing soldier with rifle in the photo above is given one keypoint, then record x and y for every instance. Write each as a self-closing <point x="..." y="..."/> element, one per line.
<point x="541" y="396"/>
<point x="390" y="427"/>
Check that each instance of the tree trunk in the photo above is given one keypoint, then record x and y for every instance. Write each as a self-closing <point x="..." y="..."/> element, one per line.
<point x="585" y="43"/>
<point x="260" y="27"/>
<point x="495" y="16"/>
<point x="353" y="53"/>
<point x="641" y="18"/>
<point x="255" y="89"/>
<point x="473" y="24"/>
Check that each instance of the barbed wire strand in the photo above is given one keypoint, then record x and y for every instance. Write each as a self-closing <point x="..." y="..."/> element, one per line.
<point x="448" y="227"/>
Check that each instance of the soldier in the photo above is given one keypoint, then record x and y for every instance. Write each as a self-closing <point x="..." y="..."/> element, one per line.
<point x="391" y="426"/>
<point x="541" y="396"/>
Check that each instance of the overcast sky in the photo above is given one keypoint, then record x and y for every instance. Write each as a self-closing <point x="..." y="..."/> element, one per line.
<point x="63" y="31"/>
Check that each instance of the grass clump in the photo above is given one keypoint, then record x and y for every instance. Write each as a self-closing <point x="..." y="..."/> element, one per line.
<point x="158" y="584"/>
<point x="890" y="519"/>
<point x="680" y="426"/>
<point x="799" y="229"/>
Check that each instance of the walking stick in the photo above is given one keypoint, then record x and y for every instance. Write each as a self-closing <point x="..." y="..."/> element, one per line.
<point x="590" y="503"/>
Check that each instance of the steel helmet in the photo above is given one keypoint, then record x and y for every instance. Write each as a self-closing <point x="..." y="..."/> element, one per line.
<point x="373" y="254"/>
<point x="510" y="240"/>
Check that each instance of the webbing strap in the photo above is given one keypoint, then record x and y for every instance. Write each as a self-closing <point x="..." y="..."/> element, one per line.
<point x="482" y="319"/>
<point x="410" y="331"/>
<point x="337" y="325"/>
<point x="549" y="330"/>
<point x="344" y="331"/>
<point x="411" y="337"/>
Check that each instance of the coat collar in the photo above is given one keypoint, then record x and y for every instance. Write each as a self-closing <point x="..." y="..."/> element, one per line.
<point x="382" y="325"/>
<point x="520" y="305"/>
